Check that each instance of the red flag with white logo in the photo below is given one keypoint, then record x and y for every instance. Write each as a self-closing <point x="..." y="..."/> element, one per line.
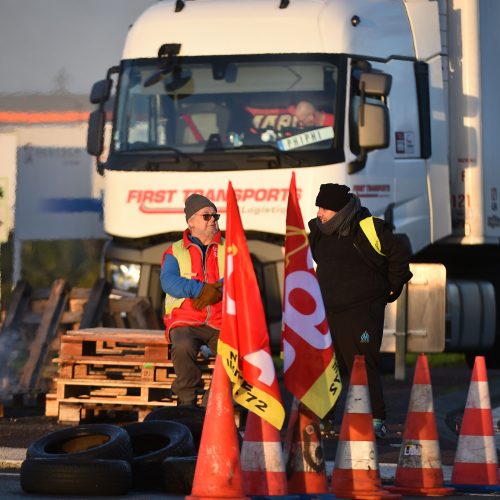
<point x="244" y="339"/>
<point x="311" y="371"/>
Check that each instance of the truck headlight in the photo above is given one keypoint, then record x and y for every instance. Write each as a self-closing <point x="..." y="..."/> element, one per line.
<point x="124" y="276"/>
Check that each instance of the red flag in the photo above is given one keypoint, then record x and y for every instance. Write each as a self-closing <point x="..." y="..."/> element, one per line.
<point x="311" y="371"/>
<point x="244" y="339"/>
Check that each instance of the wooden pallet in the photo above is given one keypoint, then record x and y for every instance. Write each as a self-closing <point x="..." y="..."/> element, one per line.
<point x="88" y="401"/>
<point x="121" y="391"/>
<point x="75" y="412"/>
<point x="148" y="345"/>
<point x="111" y="369"/>
<point x="132" y="368"/>
<point x="37" y="318"/>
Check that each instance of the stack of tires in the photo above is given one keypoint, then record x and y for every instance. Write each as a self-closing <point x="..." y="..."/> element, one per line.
<point x="106" y="459"/>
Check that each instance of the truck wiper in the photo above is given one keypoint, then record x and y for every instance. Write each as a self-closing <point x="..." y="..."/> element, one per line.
<point x="276" y="152"/>
<point x="177" y="153"/>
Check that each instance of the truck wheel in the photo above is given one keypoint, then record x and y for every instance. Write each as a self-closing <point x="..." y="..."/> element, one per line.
<point x="83" y="442"/>
<point x="56" y="476"/>
<point x="191" y="416"/>
<point x="177" y="474"/>
<point x="152" y="442"/>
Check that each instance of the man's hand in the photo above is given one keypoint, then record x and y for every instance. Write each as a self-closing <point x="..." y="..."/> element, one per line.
<point x="394" y="294"/>
<point x="210" y="294"/>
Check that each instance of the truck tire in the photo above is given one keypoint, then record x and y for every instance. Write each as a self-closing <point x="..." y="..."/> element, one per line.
<point x="177" y="474"/>
<point x="56" y="476"/>
<point x="83" y="442"/>
<point x="152" y="442"/>
<point x="191" y="416"/>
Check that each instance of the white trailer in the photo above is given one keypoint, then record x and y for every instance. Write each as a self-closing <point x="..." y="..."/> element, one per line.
<point x="207" y="92"/>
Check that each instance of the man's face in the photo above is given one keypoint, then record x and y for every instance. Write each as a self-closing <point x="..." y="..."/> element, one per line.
<point x="324" y="215"/>
<point x="203" y="229"/>
<point x="305" y="113"/>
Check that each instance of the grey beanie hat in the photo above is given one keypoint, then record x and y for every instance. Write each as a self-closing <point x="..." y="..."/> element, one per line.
<point x="195" y="202"/>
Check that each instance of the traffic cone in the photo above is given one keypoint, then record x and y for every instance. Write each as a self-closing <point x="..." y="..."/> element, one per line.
<point x="356" y="474"/>
<point x="476" y="463"/>
<point x="262" y="460"/>
<point x="305" y="464"/>
<point x="419" y="470"/>
<point x="218" y="469"/>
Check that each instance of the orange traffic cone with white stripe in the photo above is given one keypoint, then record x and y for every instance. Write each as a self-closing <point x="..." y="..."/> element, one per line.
<point x="305" y="464"/>
<point x="262" y="459"/>
<point x="419" y="470"/>
<point x="218" y="468"/>
<point x="476" y="463"/>
<point x="356" y="474"/>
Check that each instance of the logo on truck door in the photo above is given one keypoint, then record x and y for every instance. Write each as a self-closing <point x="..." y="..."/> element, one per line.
<point x="171" y="201"/>
<point x="372" y="190"/>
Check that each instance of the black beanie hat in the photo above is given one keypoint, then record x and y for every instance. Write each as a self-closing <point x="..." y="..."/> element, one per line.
<point x="195" y="202"/>
<point x="333" y="196"/>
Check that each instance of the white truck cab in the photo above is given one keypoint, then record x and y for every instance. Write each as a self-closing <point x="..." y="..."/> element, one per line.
<point x="401" y="106"/>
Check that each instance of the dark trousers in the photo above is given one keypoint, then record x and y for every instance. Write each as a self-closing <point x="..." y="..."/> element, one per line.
<point x="186" y="342"/>
<point x="359" y="330"/>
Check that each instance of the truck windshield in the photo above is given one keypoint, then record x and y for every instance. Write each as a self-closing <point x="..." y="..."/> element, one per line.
<point x="197" y="106"/>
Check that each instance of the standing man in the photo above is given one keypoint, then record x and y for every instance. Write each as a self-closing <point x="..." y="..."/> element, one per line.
<point x="191" y="276"/>
<point x="362" y="265"/>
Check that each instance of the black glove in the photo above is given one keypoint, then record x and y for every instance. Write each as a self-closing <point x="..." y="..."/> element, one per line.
<point x="210" y="294"/>
<point x="394" y="294"/>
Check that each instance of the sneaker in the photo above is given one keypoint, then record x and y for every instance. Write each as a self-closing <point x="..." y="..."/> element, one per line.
<point x="379" y="428"/>
<point x="326" y="428"/>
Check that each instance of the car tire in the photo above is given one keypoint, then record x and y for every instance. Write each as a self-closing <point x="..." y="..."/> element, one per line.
<point x="84" y="442"/>
<point x="152" y="442"/>
<point x="56" y="476"/>
<point x="191" y="416"/>
<point x="177" y="474"/>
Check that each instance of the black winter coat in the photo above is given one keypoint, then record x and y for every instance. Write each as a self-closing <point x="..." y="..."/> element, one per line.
<point x="351" y="272"/>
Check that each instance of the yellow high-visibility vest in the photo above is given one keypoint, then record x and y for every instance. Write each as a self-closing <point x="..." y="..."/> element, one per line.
<point x="368" y="227"/>
<point x="181" y="253"/>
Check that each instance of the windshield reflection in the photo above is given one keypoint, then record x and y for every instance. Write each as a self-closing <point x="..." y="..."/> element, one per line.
<point x="203" y="105"/>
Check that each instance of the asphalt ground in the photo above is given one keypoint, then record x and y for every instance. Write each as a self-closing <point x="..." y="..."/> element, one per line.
<point x="22" y="425"/>
<point x="450" y="385"/>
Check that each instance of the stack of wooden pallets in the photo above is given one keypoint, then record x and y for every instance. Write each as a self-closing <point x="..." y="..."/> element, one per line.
<point x="114" y="369"/>
<point x="35" y="319"/>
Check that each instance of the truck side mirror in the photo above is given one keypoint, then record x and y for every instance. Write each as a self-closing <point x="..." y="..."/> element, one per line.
<point x="373" y="117"/>
<point x="95" y="132"/>
<point x="101" y="91"/>
<point x="375" y="84"/>
<point x="373" y="129"/>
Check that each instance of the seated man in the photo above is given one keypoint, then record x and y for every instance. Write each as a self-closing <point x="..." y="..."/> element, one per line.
<point x="191" y="275"/>
<point x="308" y="116"/>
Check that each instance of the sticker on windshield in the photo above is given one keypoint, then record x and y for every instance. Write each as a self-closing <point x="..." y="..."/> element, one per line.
<point x="306" y="138"/>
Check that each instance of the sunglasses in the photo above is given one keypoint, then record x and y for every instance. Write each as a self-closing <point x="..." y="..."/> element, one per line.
<point x="207" y="217"/>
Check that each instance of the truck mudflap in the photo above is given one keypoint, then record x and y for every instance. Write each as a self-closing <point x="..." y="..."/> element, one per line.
<point x="441" y="314"/>
<point x="423" y="321"/>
